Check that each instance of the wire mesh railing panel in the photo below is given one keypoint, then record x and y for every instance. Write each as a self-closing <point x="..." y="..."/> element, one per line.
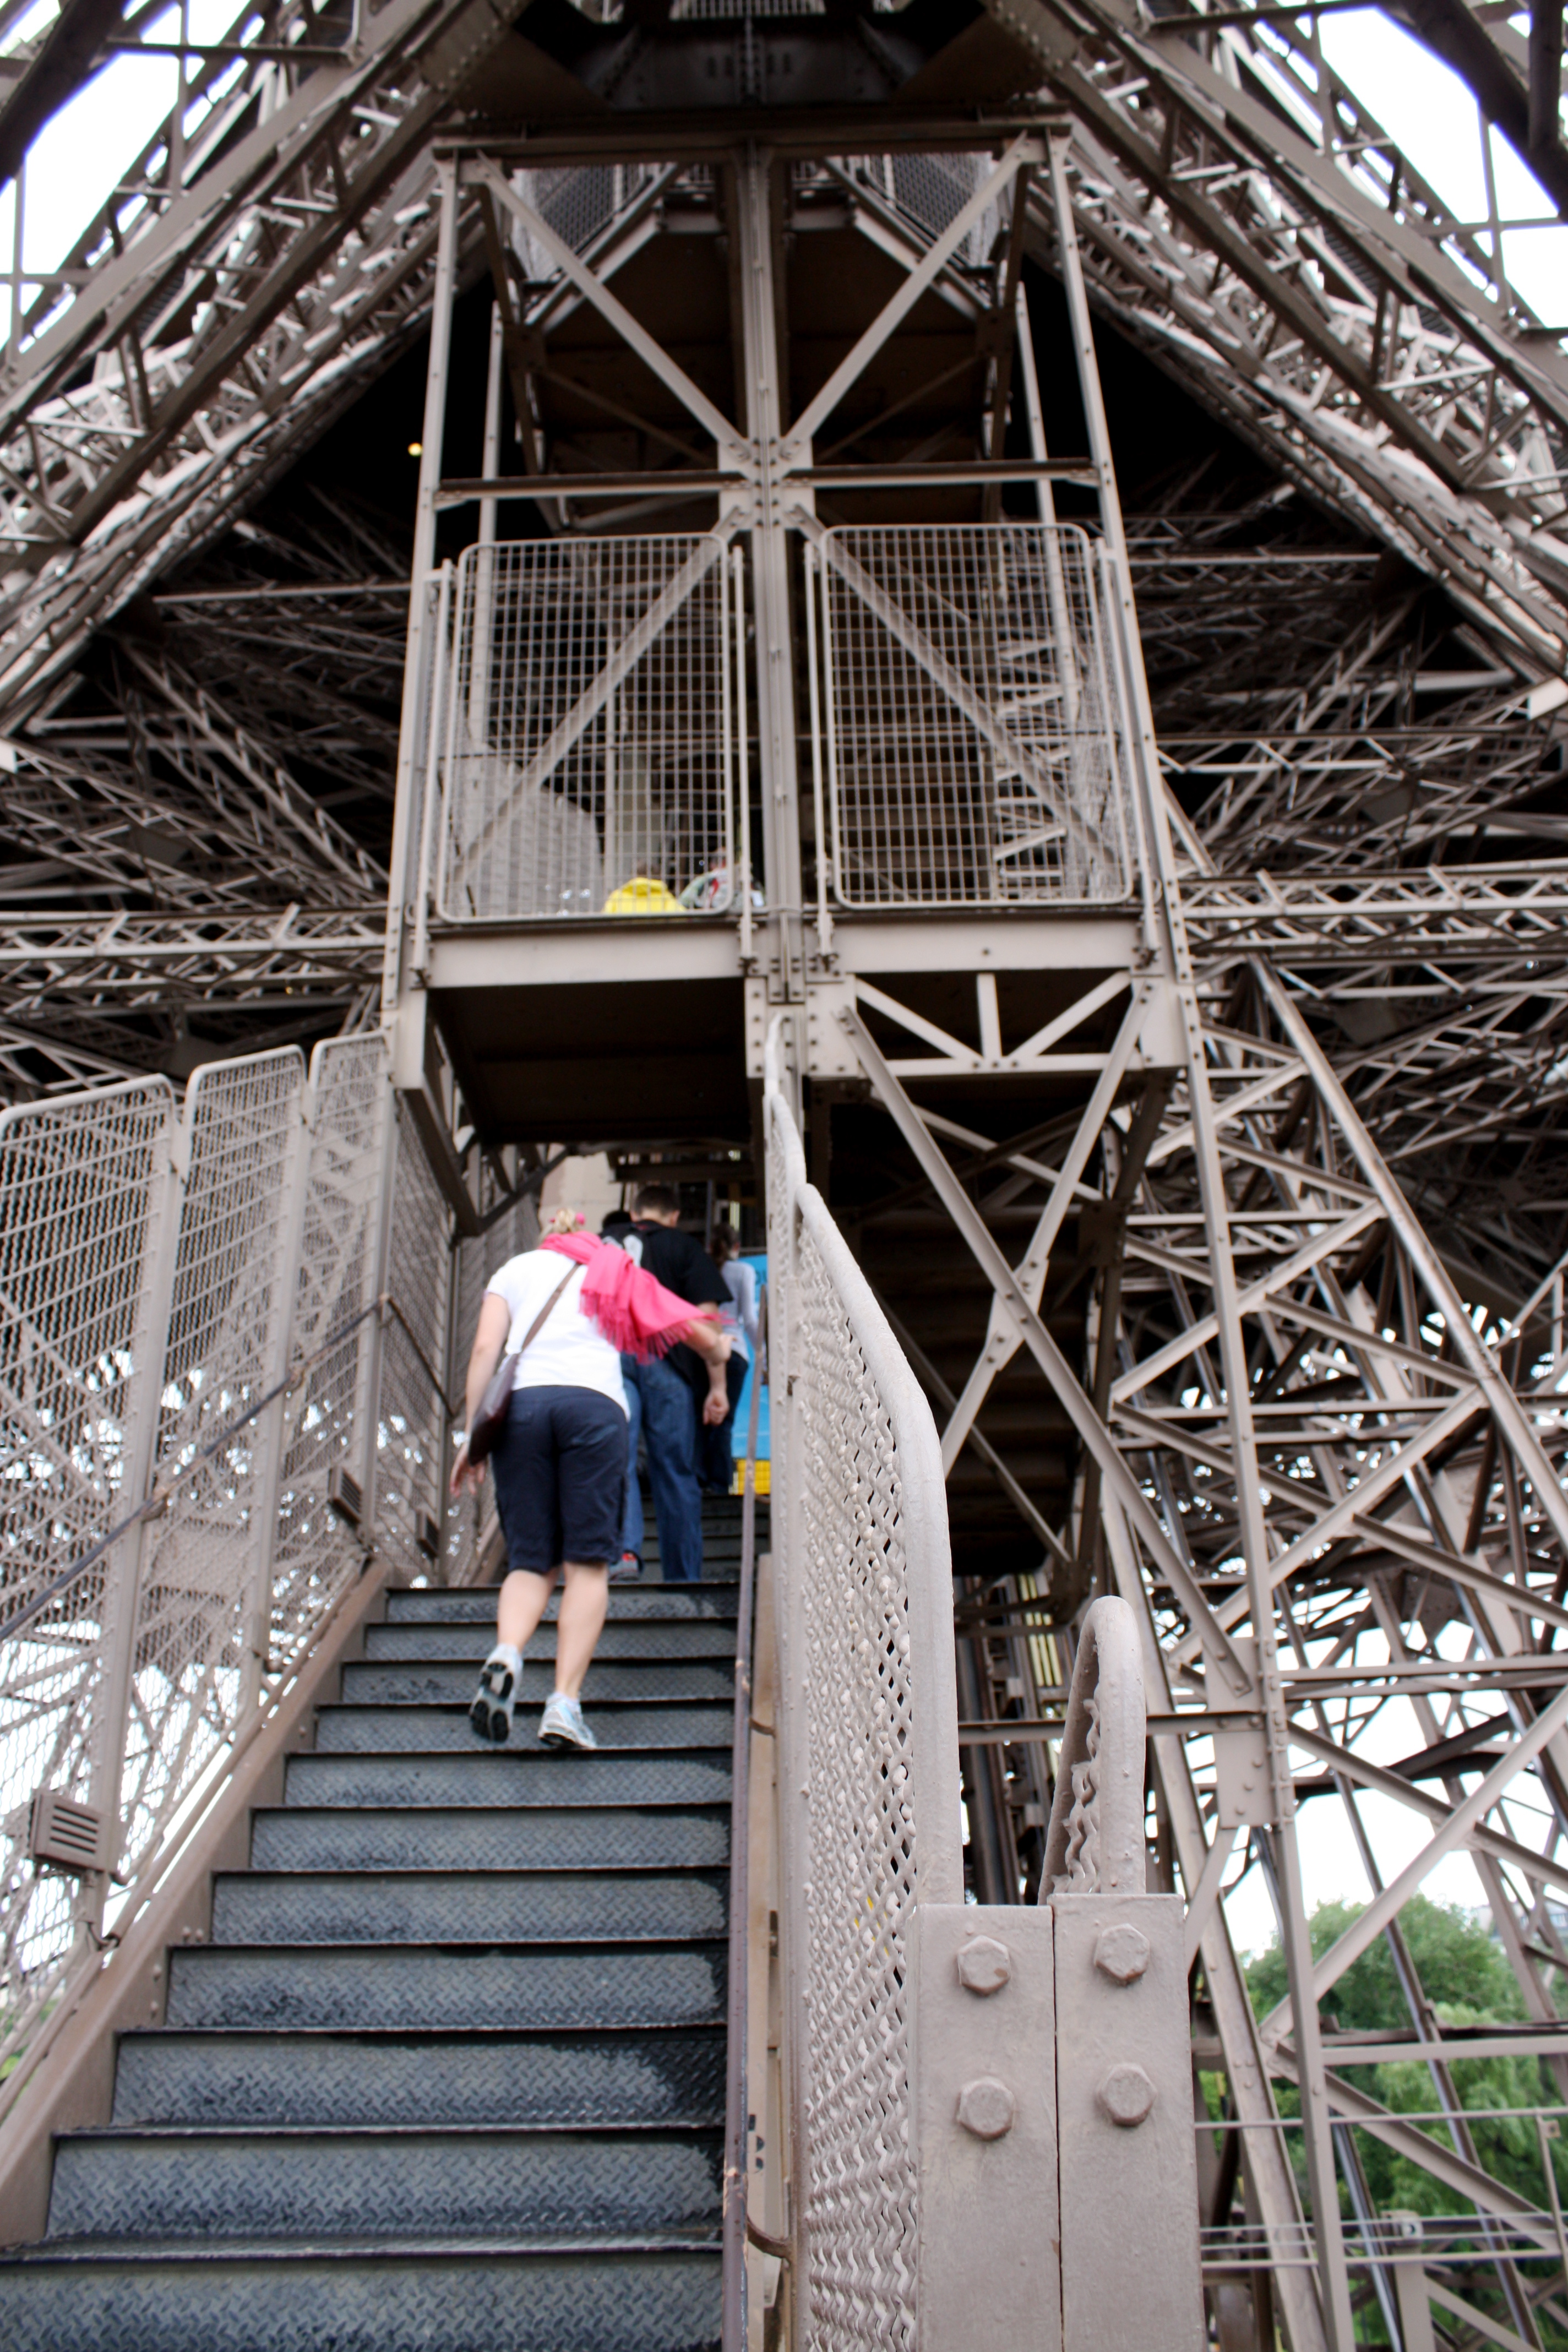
<point x="861" y="2196"/>
<point x="315" y="1557"/>
<point x="81" y="1181"/>
<point x="411" y="1420"/>
<point x="167" y="1552"/>
<point x="976" y="751"/>
<point x="587" y="756"/>
<point x="863" y="1584"/>
<point x="198" y="1608"/>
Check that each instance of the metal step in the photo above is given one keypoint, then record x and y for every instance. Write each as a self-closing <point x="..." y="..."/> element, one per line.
<point x="511" y="1776"/>
<point x="453" y="1684"/>
<point x="349" y="1986"/>
<point x="464" y="1906"/>
<point x="482" y="1837"/>
<point x="475" y="1603"/>
<point x="667" y="2076"/>
<point x="474" y="1637"/>
<point x="307" y="2186"/>
<point x="635" y="2299"/>
<point x="438" y="1731"/>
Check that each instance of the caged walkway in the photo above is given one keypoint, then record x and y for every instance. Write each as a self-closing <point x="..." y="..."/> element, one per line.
<point x="452" y="2068"/>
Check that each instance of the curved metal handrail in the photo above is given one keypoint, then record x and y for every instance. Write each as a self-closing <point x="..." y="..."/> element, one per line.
<point x="1095" y="1841"/>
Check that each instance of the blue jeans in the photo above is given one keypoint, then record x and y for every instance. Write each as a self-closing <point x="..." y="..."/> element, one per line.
<point x="632" y="1521"/>
<point x="667" y="1408"/>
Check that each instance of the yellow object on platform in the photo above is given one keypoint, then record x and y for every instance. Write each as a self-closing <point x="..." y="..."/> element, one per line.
<point x="764" y="1478"/>
<point x="642" y="895"/>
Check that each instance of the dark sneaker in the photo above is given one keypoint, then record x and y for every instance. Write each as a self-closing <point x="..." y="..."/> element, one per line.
<point x="626" y="1570"/>
<point x="561" y="1724"/>
<point x="491" y="1712"/>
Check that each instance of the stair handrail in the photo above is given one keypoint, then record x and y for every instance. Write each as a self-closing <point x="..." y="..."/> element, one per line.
<point x="1094" y="1844"/>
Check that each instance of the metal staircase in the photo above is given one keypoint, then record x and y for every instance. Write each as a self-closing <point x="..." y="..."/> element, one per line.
<point x="452" y="2067"/>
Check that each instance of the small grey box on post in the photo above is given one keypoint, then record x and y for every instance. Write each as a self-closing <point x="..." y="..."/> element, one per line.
<point x="1130" y="2276"/>
<point x="986" y="2128"/>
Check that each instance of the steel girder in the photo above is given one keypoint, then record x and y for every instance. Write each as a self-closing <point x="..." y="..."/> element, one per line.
<point x="223" y="307"/>
<point x="1247" y="219"/>
<point x="1308" y="1466"/>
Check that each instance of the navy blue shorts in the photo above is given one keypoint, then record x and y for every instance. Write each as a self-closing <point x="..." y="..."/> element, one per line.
<point x="560" y="1468"/>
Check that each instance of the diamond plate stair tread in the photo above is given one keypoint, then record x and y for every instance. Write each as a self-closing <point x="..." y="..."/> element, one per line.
<point x="607" y="2302"/>
<point x="470" y="1906"/>
<point x="476" y="1604"/>
<point x="509" y="1775"/>
<point x="461" y="2184"/>
<point x="479" y="1837"/>
<point x="171" y="2077"/>
<point x="348" y="1986"/>
<point x="435" y="1730"/>
<point x="694" y="1637"/>
<point x="452" y="1685"/>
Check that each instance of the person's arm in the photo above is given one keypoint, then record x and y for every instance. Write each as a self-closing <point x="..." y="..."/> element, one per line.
<point x="707" y="1340"/>
<point x="489" y="1345"/>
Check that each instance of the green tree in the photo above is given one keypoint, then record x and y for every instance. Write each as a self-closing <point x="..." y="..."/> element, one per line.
<point x="1465" y="1976"/>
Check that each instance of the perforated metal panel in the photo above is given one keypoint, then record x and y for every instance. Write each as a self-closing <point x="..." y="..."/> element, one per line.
<point x="579" y="202"/>
<point x="870" y="1780"/>
<point x="929" y="191"/>
<point x="587" y="745"/>
<point x="976" y="755"/>
<point x="225" y="1346"/>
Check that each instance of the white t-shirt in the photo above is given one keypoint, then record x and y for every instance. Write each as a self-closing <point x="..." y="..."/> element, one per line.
<point x="571" y="1351"/>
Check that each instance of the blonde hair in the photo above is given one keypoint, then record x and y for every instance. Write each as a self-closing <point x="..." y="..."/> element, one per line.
<point x="562" y="1221"/>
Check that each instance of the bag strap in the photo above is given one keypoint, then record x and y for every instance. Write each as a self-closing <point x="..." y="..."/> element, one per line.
<point x="544" y="1315"/>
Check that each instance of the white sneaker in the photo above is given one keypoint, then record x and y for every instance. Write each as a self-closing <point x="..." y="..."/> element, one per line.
<point x="561" y="1724"/>
<point x="491" y="1712"/>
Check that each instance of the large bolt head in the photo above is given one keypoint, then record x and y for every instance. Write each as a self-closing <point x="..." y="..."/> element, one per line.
<point x="986" y="2107"/>
<point x="984" y="1965"/>
<point x="1122" y="1952"/>
<point x="1126" y="2096"/>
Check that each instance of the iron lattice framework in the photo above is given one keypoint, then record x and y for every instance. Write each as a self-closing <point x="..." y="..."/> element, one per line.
<point x="1314" y="1242"/>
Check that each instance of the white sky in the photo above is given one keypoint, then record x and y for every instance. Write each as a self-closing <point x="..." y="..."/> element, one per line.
<point x="91" y="145"/>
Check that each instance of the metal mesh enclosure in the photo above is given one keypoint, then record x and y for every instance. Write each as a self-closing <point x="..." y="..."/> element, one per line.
<point x="200" y="1607"/>
<point x="160" y="1272"/>
<point x="588" y="740"/>
<point x="926" y="192"/>
<point x="81" y="1204"/>
<point x="579" y="201"/>
<point x="868" y="1740"/>
<point x="976" y="754"/>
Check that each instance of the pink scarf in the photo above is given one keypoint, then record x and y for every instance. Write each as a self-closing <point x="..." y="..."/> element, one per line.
<point x="635" y="1313"/>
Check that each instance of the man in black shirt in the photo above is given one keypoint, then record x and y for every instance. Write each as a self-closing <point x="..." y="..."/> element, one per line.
<point x="668" y="1394"/>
